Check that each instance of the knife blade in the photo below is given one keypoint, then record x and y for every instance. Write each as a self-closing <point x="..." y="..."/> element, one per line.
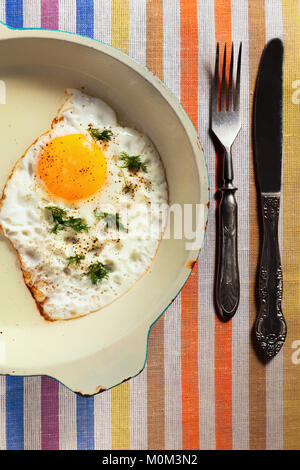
<point x="268" y="117"/>
<point x="270" y="326"/>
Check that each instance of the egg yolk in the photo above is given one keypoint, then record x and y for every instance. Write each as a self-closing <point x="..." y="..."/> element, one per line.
<point x="72" y="167"/>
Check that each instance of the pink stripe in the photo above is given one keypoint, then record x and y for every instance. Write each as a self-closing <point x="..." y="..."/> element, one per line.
<point x="49" y="14"/>
<point x="50" y="414"/>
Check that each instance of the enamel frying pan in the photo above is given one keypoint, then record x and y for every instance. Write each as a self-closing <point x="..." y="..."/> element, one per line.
<point x="99" y="351"/>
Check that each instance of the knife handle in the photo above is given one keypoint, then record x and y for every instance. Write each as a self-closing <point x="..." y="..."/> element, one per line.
<point x="228" y="283"/>
<point x="270" y="326"/>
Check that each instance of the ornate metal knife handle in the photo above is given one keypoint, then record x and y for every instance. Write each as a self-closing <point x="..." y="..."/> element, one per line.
<point x="228" y="283"/>
<point x="270" y="326"/>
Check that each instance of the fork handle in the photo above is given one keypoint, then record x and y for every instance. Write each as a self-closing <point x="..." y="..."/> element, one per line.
<point x="228" y="282"/>
<point x="270" y="326"/>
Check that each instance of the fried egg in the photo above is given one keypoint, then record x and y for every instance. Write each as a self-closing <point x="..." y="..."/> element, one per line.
<point x="85" y="208"/>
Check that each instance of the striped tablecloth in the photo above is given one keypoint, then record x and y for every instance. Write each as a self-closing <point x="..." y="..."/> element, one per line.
<point x="203" y="386"/>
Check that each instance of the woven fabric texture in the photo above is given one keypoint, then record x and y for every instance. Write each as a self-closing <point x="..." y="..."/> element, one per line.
<point x="203" y="386"/>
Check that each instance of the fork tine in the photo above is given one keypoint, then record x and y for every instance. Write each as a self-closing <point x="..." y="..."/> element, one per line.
<point x="214" y="99"/>
<point x="222" y="101"/>
<point x="238" y="80"/>
<point x="230" y="91"/>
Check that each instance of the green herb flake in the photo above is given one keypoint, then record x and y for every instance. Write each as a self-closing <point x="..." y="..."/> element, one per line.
<point x="97" y="272"/>
<point x="75" y="259"/>
<point x="132" y="162"/>
<point x="62" y="221"/>
<point x="77" y="224"/>
<point x="112" y="220"/>
<point x="104" y="135"/>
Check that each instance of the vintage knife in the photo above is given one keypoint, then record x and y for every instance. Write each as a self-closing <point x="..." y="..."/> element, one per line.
<point x="270" y="327"/>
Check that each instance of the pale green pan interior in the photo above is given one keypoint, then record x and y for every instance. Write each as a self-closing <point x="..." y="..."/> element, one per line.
<point x="104" y="348"/>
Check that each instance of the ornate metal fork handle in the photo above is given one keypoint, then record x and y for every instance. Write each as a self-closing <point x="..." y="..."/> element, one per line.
<point x="270" y="326"/>
<point x="228" y="283"/>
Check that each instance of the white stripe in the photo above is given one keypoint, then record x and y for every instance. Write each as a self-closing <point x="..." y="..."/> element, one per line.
<point x="102" y="421"/>
<point x="67" y="15"/>
<point x="274" y="403"/>
<point x="67" y="419"/>
<point x="273" y="14"/>
<point x="274" y="369"/>
<point x="173" y="384"/>
<point x="171" y="38"/>
<point x="2" y="414"/>
<point x="138" y="385"/>
<point x="138" y="411"/>
<point x="172" y="323"/>
<point x="137" y="30"/>
<point x="2" y="11"/>
<point x="240" y="323"/>
<point x="206" y="329"/>
<point x="31" y="13"/>
<point x="102" y="21"/>
<point x="32" y="413"/>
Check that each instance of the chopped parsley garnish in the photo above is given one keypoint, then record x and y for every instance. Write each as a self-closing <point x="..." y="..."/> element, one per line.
<point x="75" y="259"/>
<point x="104" y="135"/>
<point x="62" y="221"/>
<point x="77" y="224"/>
<point x="132" y="162"/>
<point x="97" y="272"/>
<point x="112" y="220"/>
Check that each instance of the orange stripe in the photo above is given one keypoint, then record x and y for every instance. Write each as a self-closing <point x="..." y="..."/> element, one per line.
<point x="155" y="363"/>
<point x="189" y="296"/>
<point x="257" y="372"/>
<point x="223" y="330"/>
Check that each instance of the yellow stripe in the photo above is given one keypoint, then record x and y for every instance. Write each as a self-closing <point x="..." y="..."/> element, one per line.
<point x="120" y="416"/>
<point x="120" y="395"/>
<point x="291" y="211"/>
<point x="120" y="25"/>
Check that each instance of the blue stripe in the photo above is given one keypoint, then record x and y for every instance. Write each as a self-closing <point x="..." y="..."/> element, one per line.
<point x="85" y="17"/>
<point x="85" y="423"/>
<point x="85" y="405"/>
<point x="14" y="413"/>
<point x="14" y="13"/>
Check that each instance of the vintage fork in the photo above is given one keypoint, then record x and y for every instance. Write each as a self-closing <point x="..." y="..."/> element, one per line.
<point x="225" y="124"/>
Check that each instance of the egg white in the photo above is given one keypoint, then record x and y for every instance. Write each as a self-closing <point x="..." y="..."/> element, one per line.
<point x="63" y="292"/>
